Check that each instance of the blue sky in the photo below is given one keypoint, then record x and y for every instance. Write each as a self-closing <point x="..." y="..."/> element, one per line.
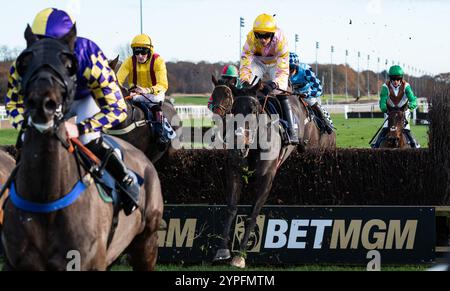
<point x="411" y="32"/>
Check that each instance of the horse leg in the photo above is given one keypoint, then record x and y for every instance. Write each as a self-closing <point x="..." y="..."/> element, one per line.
<point x="263" y="187"/>
<point x="143" y="250"/>
<point x="233" y="190"/>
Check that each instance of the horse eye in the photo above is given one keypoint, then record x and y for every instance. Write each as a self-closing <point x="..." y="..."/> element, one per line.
<point x="70" y="64"/>
<point x="22" y="63"/>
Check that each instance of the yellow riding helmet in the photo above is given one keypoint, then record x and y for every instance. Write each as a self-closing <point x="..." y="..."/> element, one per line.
<point x="264" y="23"/>
<point x="142" y="40"/>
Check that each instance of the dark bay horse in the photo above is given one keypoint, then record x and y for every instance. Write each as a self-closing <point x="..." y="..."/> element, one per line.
<point x="395" y="138"/>
<point x="54" y="230"/>
<point x="137" y="131"/>
<point x="262" y="157"/>
<point x="7" y="164"/>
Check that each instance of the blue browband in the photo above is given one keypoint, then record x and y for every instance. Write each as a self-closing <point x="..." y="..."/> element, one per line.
<point x="61" y="203"/>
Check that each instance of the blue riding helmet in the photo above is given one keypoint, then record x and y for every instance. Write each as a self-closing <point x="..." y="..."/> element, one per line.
<point x="294" y="60"/>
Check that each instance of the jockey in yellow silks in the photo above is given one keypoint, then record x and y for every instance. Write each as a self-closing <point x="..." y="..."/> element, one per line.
<point x="147" y="79"/>
<point x="266" y="51"/>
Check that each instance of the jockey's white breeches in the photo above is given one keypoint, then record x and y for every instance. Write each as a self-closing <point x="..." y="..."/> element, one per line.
<point x="313" y="100"/>
<point x="150" y="99"/>
<point x="81" y="110"/>
<point x="259" y="68"/>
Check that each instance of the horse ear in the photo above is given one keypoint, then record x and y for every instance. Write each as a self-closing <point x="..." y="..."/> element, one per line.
<point x="70" y="38"/>
<point x="30" y="37"/>
<point x="214" y="80"/>
<point x="259" y="85"/>
<point x="113" y="63"/>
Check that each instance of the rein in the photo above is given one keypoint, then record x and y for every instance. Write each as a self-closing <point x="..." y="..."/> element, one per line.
<point x="129" y="128"/>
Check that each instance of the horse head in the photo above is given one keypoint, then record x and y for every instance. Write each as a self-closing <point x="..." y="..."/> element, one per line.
<point x="115" y="64"/>
<point x="222" y="96"/>
<point x="396" y="124"/>
<point x="246" y="109"/>
<point x="48" y="69"/>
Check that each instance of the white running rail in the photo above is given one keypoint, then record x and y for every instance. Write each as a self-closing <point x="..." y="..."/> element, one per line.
<point x="3" y="113"/>
<point x="202" y="111"/>
<point x="193" y="111"/>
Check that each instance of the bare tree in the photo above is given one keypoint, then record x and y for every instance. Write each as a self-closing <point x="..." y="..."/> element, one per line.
<point x="8" y="54"/>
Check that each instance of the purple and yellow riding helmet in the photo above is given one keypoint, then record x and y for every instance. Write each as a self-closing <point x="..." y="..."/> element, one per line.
<point x="52" y="23"/>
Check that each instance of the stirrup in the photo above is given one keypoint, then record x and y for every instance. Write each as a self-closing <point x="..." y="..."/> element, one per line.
<point x="292" y="139"/>
<point x="294" y="142"/>
<point x="130" y="188"/>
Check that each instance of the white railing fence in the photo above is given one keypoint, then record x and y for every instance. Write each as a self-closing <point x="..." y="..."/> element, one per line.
<point x="193" y="111"/>
<point x="202" y="111"/>
<point x="3" y="113"/>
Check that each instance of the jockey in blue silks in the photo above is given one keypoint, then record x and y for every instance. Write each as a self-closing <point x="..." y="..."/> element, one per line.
<point x="307" y="86"/>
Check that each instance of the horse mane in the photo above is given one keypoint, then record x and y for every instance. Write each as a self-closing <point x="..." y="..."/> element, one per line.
<point x="250" y="91"/>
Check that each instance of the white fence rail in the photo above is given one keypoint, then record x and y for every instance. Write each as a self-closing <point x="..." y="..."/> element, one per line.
<point x="345" y="108"/>
<point x="193" y="111"/>
<point x="202" y="111"/>
<point x="2" y="113"/>
<point x="184" y="111"/>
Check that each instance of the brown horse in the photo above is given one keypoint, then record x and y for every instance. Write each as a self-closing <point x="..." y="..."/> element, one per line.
<point x="309" y="135"/>
<point x="39" y="237"/>
<point x="253" y="157"/>
<point x="138" y="132"/>
<point x="7" y="164"/>
<point x="395" y="137"/>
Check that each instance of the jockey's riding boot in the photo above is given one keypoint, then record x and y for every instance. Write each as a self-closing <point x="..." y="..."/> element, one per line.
<point x="380" y="138"/>
<point x="161" y="139"/>
<point x="321" y="114"/>
<point x="289" y="117"/>
<point x="411" y="140"/>
<point x="126" y="179"/>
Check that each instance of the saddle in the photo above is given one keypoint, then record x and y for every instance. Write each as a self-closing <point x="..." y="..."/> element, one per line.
<point x="273" y="106"/>
<point x="107" y="186"/>
<point x="167" y="131"/>
<point x="314" y="116"/>
<point x="318" y="121"/>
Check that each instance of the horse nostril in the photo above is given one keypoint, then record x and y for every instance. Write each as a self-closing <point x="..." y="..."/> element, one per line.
<point x="49" y="105"/>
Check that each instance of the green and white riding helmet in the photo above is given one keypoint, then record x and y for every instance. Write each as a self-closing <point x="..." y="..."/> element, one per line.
<point x="396" y="71"/>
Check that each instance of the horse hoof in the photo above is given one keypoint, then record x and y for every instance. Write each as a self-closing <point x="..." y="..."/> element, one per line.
<point x="238" y="262"/>
<point x="221" y="255"/>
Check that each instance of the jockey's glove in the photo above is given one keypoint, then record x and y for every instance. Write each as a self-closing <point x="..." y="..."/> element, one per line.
<point x="245" y="84"/>
<point x="143" y="90"/>
<point x="268" y="88"/>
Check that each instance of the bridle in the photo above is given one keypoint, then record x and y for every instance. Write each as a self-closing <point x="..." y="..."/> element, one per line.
<point x="220" y="106"/>
<point x="46" y="63"/>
